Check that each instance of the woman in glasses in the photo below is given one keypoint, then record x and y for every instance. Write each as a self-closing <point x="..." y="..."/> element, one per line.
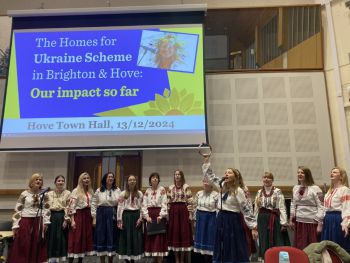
<point x="104" y="211"/>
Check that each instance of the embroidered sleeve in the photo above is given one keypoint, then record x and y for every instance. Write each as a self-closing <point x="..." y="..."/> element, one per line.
<point x="18" y="210"/>
<point x="208" y="174"/>
<point x="164" y="203"/>
<point x="94" y="203"/>
<point x="51" y="197"/>
<point x="170" y="194"/>
<point x="247" y="195"/>
<point x="66" y="204"/>
<point x="140" y="201"/>
<point x="145" y="204"/>
<point x="246" y="209"/>
<point x="121" y="205"/>
<point x="46" y="209"/>
<point x="282" y="208"/>
<point x="318" y="196"/>
<point x="292" y="204"/>
<point x="257" y="204"/>
<point x="189" y="198"/>
<point x="195" y="204"/>
<point x="72" y="203"/>
<point x="345" y="204"/>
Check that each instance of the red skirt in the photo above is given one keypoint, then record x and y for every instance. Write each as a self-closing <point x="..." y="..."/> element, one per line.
<point x="304" y="234"/>
<point x="80" y="238"/>
<point x="28" y="245"/>
<point x="155" y="245"/>
<point x="179" y="228"/>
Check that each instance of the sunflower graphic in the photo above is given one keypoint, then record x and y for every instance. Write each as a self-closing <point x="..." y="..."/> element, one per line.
<point x="174" y="102"/>
<point x="171" y="103"/>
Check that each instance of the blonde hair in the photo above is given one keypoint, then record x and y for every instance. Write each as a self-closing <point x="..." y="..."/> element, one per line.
<point x="80" y="188"/>
<point x="343" y="177"/>
<point x="239" y="178"/>
<point x="33" y="178"/>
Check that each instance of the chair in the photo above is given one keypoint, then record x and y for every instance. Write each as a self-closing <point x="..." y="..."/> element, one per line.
<point x="295" y="255"/>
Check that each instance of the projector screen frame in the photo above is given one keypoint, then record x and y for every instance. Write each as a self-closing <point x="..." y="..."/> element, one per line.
<point x="80" y="15"/>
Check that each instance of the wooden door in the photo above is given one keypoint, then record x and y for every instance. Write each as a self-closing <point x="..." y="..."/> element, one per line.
<point x="121" y="165"/>
<point x="90" y="164"/>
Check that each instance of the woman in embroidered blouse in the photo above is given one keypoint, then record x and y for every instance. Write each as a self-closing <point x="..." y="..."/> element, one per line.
<point x="205" y="208"/>
<point x="57" y="232"/>
<point x="79" y="210"/>
<point x="129" y="218"/>
<point x="230" y="241"/>
<point x="30" y="222"/>
<point x="306" y="210"/>
<point x="103" y="210"/>
<point x="337" y="205"/>
<point x="180" y="216"/>
<point x="154" y="208"/>
<point x="270" y="211"/>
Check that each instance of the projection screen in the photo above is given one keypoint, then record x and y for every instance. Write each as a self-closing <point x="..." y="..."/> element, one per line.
<point x="74" y="85"/>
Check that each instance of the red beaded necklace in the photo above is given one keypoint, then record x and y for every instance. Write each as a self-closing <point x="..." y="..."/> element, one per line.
<point x="264" y="192"/>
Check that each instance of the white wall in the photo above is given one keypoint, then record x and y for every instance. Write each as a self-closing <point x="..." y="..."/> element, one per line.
<point x="259" y="122"/>
<point x="341" y="20"/>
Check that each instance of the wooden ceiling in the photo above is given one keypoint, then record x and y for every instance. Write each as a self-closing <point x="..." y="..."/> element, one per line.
<point x="236" y="23"/>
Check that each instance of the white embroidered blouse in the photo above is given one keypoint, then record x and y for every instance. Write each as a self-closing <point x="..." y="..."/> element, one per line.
<point x="339" y="200"/>
<point x="181" y="194"/>
<point x="155" y="198"/>
<point x="59" y="201"/>
<point x="130" y="203"/>
<point x="105" y="198"/>
<point x="233" y="202"/>
<point x="205" y="201"/>
<point x="307" y="204"/>
<point x="28" y="206"/>
<point x="273" y="200"/>
<point x="78" y="202"/>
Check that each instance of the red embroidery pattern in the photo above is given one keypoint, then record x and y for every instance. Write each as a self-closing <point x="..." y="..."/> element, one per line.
<point x="345" y="198"/>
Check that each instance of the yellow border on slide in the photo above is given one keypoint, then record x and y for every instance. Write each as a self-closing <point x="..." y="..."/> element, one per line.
<point x="12" y="110"/>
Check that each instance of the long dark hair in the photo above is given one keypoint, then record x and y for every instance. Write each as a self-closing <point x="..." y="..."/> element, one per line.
<point x="308" y="175"/>
<point x="103" y="182"/>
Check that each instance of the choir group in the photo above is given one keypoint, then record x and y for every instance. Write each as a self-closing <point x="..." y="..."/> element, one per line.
<point x="222" y="226"/>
